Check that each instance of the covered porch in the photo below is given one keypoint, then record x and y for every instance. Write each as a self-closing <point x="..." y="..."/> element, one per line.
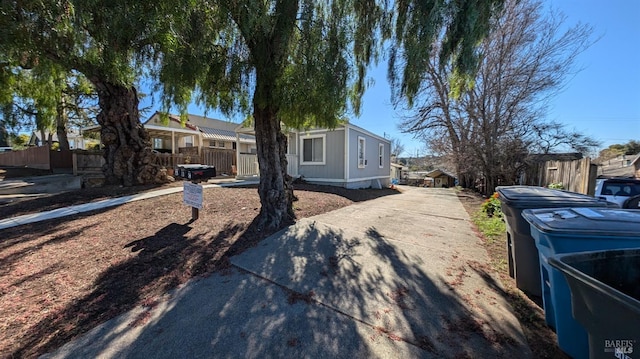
<point x="248" y="162"/>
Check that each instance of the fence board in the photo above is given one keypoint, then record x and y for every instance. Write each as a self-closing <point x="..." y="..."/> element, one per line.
<point x="576" y="176"/>
<point x="222" y="159"/>
<point x="248" y="165"/>
<point x="169" y="160"/>
<point x="61" y="159"/>
<point x="33" y="157"/>
<point x="87" y="162"/>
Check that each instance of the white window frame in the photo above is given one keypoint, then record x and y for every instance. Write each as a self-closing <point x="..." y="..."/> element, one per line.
<point x="381" y="155"/>
<point x="155" y="143"/>
<point x="188" y="141"/>
<point x="362" y="152"/>
<point x="324" y="149"/>
<point x="216" y="144"/>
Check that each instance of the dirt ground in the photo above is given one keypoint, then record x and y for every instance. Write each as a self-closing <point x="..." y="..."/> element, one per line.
<point x="62" y="277"/>
<point x="15" y="172"/>
<point x="542" y="340"/>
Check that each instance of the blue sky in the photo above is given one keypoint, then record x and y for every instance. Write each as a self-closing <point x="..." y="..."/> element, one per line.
<point x="602" y="101"/>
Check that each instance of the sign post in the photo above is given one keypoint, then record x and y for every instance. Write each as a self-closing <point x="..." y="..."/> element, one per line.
<point x="193" y="197"/>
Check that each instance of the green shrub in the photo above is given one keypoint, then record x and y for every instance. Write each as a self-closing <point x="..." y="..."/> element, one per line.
<point x="491" y="206"/>
<point x="556" y="185"/>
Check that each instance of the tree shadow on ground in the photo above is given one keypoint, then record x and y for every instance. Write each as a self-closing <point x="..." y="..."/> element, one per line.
<point x="163" y="261"/>
<point x="315" y="291"/>
<point x="310" y="291"/>
<point x="355" y="195"/>
<point x="17" y="172"/>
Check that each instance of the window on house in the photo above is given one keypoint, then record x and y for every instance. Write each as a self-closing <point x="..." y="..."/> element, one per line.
<point x="157" y="143"/>
<point x="313" y="150"/>
<point x="217" y="144"/>
<point x="381" y="155"/>
<point x="188" y="141"/>
<point x="362" y="162"/>
<point x="234" y="145"/>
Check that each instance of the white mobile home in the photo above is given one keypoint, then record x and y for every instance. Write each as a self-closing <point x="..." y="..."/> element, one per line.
<point x="347" y="156"/>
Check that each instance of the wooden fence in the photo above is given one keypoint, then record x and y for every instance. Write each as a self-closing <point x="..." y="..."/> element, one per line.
<point x="223" y="159"/>
<point x="90" y="162"/>
<point x="37" y="157"/>
<point x="576" y="176"/>
<point x="87" y="162"/>
<point x="171" y="160"/>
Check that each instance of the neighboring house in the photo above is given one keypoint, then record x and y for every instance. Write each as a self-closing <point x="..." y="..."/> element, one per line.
<point x="442" y="179"/>
<point x="198" y="132"/>
<point x="417" y="178"/>
<point x="621" y="166"/>
<point x="75" y="138"/>
<point x="200" y="139"/>
<point x="347" y="156"/>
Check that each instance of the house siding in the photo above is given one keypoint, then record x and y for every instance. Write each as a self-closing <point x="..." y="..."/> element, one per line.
<point x="334" y="156"/>
<point x="293" y="144"/>
<point x="372" y="168"/>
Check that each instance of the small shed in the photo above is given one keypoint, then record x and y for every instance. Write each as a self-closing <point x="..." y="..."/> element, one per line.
<point x="442" y="179"/>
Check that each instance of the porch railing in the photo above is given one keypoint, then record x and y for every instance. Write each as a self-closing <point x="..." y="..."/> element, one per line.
<point x="169" y="160"/>
<point x="248" y="165"/>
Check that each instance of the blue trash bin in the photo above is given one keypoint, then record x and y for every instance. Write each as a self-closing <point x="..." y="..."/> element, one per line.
<point x="570" y="230"/>
<point x="522" y="254"/>
<point x="605" y="297"/>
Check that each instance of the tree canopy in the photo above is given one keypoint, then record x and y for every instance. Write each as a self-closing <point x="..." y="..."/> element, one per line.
<point x="490" y="127"/>
<point x="630" y="148"/>
<point x="302" y="63"/>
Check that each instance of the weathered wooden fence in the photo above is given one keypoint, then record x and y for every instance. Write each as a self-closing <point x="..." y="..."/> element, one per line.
<point x="576" y="176"/>
<point x="87" y="162"/>
<point x="90" y="162"/>
<point x="171" y="160"/>
<point x="221" y="158"/>
<point x="37" y="157"/>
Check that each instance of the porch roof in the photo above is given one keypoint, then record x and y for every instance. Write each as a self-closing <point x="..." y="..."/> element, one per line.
<point x="224" y="135"/>
<point x="438" y="173"/>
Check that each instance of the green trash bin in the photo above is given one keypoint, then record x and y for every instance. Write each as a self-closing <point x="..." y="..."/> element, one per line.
<point x="522" y="253"/>
<point x="605" y="297"/>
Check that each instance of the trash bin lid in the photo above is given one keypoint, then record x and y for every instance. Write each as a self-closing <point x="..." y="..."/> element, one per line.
<point x="593" y="221"/>
<point x="541" y="197"/>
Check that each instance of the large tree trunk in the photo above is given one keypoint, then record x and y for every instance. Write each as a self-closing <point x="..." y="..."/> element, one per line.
<point x="127" y="146"/>
<point x="61" y="126"/>
<point x="275" y="189"/>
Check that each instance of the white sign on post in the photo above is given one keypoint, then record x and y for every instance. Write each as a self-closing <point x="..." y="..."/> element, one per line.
<point x="193" y="195"/>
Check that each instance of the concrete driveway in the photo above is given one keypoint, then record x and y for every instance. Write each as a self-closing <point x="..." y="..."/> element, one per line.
<point x="397" y="277"/>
